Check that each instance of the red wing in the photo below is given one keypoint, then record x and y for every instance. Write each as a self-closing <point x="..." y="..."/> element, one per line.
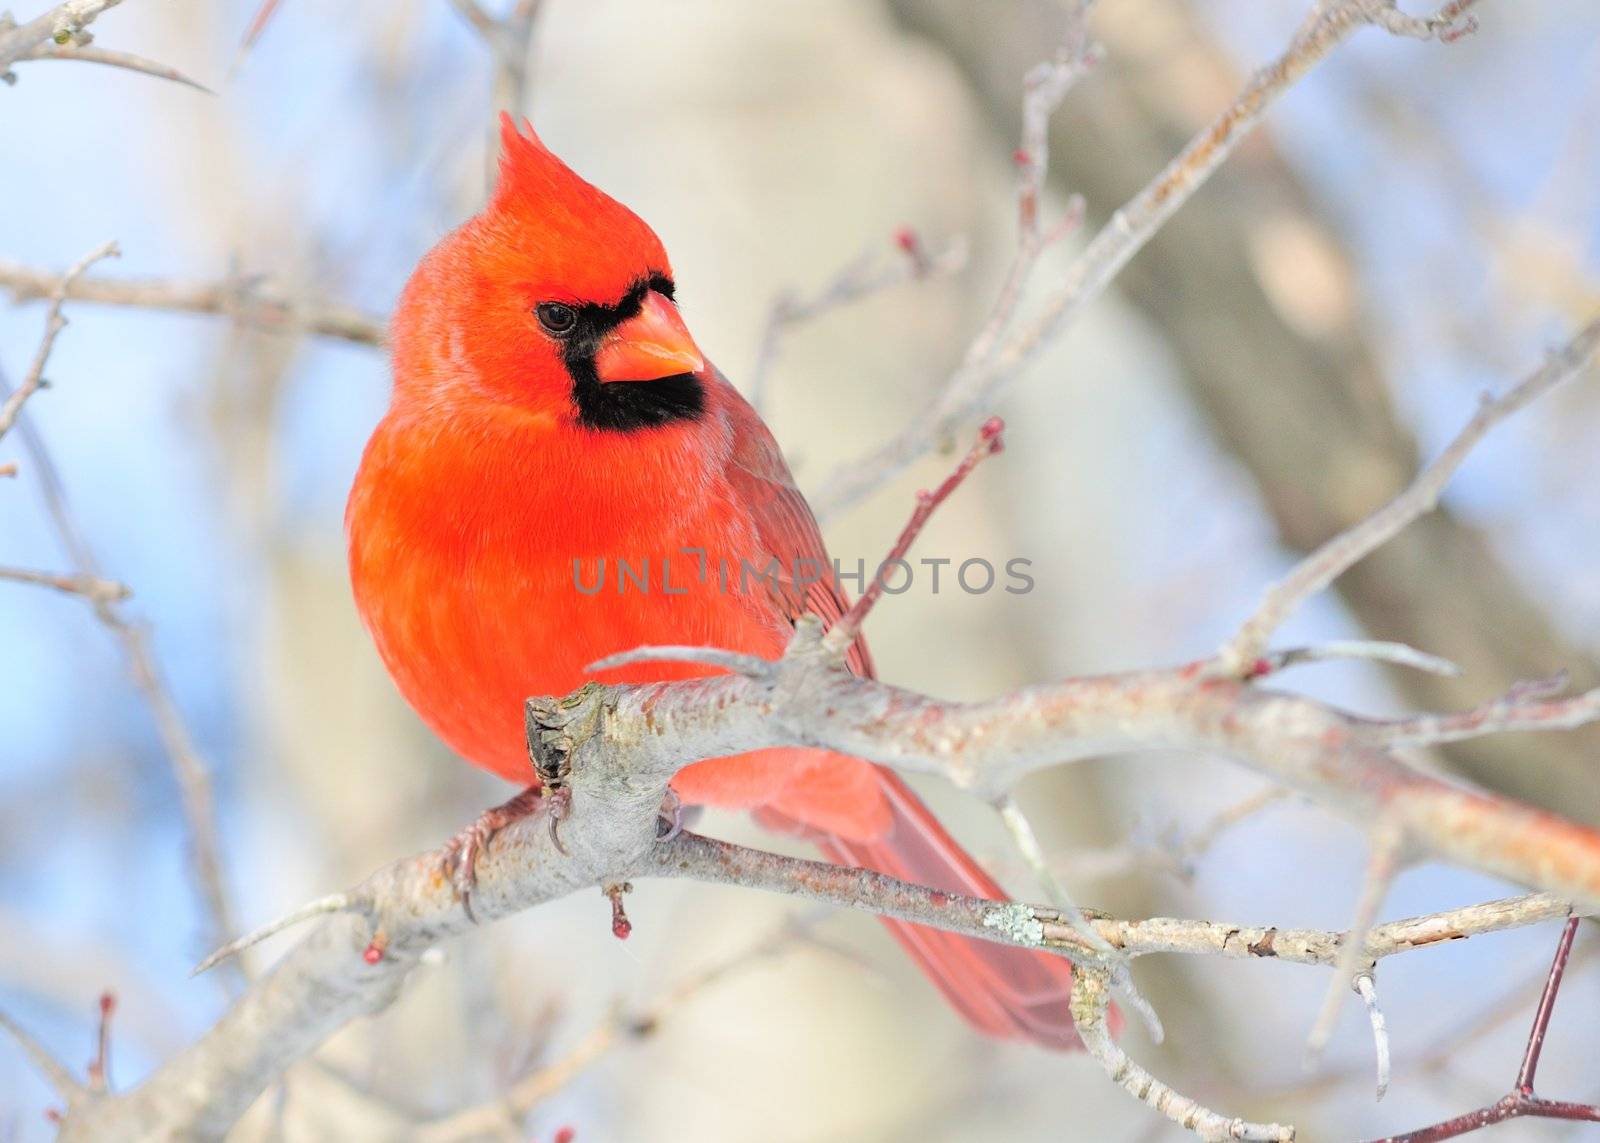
<point x="1001" y="991"/>
<point x="788" y="531"/>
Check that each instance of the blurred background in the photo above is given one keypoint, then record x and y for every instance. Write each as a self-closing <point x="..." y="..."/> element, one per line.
<point x="1413" y="223"/>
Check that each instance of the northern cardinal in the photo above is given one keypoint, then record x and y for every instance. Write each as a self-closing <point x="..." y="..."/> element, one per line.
<point x="550" y="406"/>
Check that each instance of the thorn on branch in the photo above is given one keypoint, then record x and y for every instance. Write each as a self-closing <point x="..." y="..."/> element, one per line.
<point x="334" y="903"/>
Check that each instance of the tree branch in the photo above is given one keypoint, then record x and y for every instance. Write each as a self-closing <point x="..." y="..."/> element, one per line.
<point x="64" y="24"/>
<point x="984" y="371"/>
<point x="253" y="301"/>
<point x="54" y="323"/>
<point x="1335" y="557"/>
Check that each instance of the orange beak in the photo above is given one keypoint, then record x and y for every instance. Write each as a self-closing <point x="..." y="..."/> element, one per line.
<point x="648" y="346"/>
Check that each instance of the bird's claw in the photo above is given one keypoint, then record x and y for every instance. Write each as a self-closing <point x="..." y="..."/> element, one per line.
<point x="459" y="862"/>
<point x="560" y="800"/>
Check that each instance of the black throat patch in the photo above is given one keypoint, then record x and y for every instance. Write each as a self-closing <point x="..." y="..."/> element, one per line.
<point x="625" y="406"/>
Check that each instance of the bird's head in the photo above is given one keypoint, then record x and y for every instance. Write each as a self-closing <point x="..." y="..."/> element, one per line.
<point x="556" y="300"/>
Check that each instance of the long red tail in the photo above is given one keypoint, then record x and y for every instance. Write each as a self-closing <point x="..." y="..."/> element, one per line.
<point x="1002" y="991"/>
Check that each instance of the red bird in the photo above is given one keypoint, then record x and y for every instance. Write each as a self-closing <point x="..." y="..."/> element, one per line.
<point x="550" y="412"/>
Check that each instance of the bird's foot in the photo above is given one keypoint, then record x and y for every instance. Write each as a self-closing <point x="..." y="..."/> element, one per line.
<point x="459" y="861"/>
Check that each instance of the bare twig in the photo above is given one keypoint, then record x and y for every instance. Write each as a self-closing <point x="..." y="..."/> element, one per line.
<point x="979" y="378"/>
<point x="92" y="588"/>
<point x="860" y="279"/>
<point x="1388" y="841"/>
<point x="127" y="61"/>
<point x="1377" y="651"/>
<point x="1090" y="997"/>
<point x="990" y="441"/>
<point x="1521" y="1102"/>
<point x="1119" y="975"/>
<point x="252" y="301"/>
<point x="66" y="23"/>
<point x="321" y="907"/>
<point x="1367" y="988"/>
<point x="1319" y="569"/>
<point x="58" y="1075"/>
<point x="1169" y="851"/>
<point x="190" y="770"/>
<point x="509" y="40"/>
<point x="54" y="323"/>
<point x="1526" y="706"/>
<point x="621" y="1026"/>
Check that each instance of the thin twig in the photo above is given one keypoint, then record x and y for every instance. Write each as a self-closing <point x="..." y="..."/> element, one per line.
<point x="58" y="1075"/>
<point x="622" y="1024"/>
<point x="510" y="42"/>
<point x="252" y="301"/>
<point x="977" y="381"/>
<point x="1239" y="655"/>
<point x="859" y="279"/>
<point x="127" y="61"/>
<point x="54" y="323"/>
<point x="1387" y="842"/>
<point x="990" y="441"/>
<point x="66" y="23"/>
<point x="1373" y="650"/>
<point x="1090" y="999"/>
<point x="1520" y="1102"/>
<point x="92" y="588"/>
<point x="321" y="907"/>
<point x="1524" y="707"/>
<point x="1121" y="976"/>
<point x="190" y="769"/>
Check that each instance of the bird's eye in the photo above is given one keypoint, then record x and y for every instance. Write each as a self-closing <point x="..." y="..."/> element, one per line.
<point x="556" y="318"/>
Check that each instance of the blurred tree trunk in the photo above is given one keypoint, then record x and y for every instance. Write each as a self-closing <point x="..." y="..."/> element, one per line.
<point x="1247" y="284"/>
